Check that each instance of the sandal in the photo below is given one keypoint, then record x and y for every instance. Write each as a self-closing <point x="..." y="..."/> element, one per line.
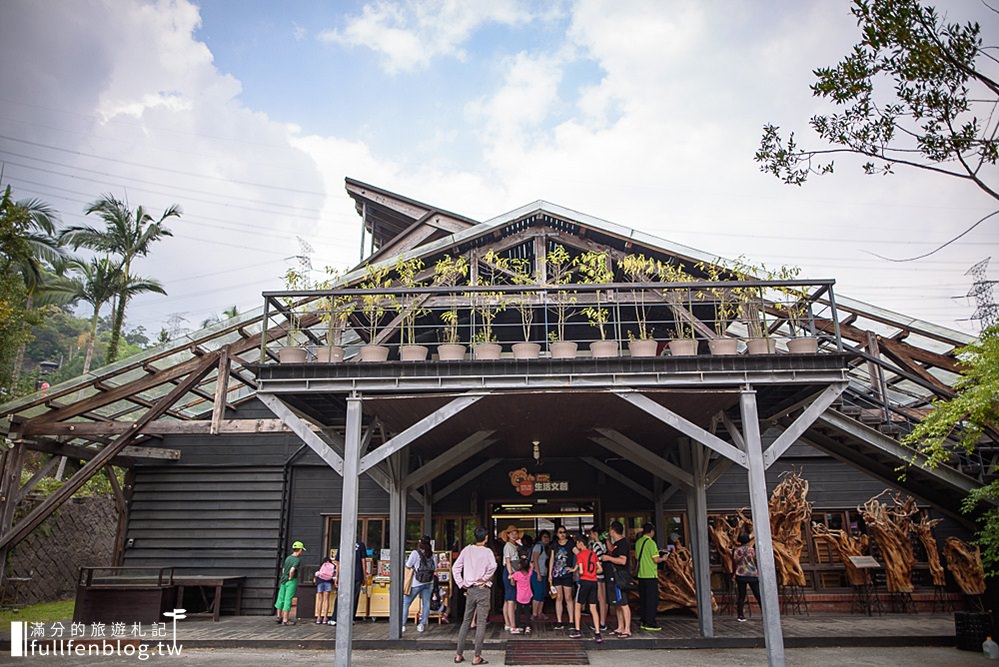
<point x="479" y="661"/>
<point x="459" y="658"/>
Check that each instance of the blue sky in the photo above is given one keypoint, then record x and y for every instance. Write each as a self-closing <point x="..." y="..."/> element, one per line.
<point x="646" y="113"/>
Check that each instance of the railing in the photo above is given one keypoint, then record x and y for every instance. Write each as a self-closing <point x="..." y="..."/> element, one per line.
<point x="773" y="311"/>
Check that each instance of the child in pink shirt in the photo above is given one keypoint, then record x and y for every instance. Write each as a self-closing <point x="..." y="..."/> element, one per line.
<point x="522" y="580"/>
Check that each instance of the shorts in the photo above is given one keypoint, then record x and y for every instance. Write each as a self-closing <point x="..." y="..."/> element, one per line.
<point x="565" y="580"/>
<point x="539" y="589"/>
<point x="509" y="588"/>
<point x="286" y="592"/>
<point x="324" y="585"/>
<point x="615" y="595"/>
<point x="587" y="592"/>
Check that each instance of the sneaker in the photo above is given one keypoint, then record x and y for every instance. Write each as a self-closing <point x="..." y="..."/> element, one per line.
<point x="279" y="620"/>
<point x="421" y="627"/>
<point x="527" y="630"/>
<point x="403" y="629"/>
<point x="331" y="622"/>
<point x="516" y="631"/>
<point x="559" y="626"/>
<point x="603" y="628"/>
<point x="650" y="628"/>
<point x="597" y="638"/>
<point x="575" y="634"/>
<point x="506" y="628"/>
<point x="741" y="619"/>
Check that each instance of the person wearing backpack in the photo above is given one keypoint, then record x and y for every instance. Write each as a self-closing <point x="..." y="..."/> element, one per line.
<point x="323" y="579"/>
<point x="423" y="564"/>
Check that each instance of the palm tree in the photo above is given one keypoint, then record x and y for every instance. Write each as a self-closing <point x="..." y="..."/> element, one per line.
<point x="96" y="284"/>
<point x="27" y="246"/>
<point x="127" y="234"/>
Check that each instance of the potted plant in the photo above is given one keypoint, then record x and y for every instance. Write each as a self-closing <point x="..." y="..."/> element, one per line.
<point x="595" y="269"/>
<point x="751" y="308"/>
<point x="448" y="272"/>
<point x="520" y="267"/>
<point x="641" y="269"/>
<point x="292" y="352"/>
<point x="487" y="306"/>
<point x="408" y="306"/>
<point x="684" y="342"/>
<point x="560" y="272"/>
<point x="336" y="312"/>
<point x="795" y="307"/>
<point x="373" y="305"/>
<point x="724" y="302"/>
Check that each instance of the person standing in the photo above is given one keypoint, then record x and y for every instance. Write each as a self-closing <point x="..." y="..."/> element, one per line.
<point x="746" y="574"/>
<point x="647" y="555"/>
<point x="588" y="568"/>
<point x="539" y="580"/>
<point x="511" y="564"/>
<point x="597" y="546"/>
<point x="522" y="579"/>
<point x="423" y="563"/>
<point x="619" y="550"/>
<point x="323" y="579"/>
<point x="288" y="582"/>
<point x="560" y="572"/>
<point x="473" y="571"/>
<point x="360" y="552"/>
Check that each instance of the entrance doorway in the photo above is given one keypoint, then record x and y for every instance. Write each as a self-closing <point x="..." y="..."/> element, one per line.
<point x="532" y="516"/>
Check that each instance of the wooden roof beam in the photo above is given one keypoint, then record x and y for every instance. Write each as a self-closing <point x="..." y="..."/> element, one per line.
<point x="157" y="428"/>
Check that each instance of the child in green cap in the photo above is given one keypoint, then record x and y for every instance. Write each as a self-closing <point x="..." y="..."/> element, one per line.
<point x="288" y="582"/>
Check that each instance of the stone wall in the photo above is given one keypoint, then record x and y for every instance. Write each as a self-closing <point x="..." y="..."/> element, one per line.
<point x="80" y="533"/>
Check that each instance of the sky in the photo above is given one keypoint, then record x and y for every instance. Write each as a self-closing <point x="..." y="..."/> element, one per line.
<point x="250" y="114"/>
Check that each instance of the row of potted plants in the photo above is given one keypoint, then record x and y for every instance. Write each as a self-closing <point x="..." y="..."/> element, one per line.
<point x="728" y="303"/>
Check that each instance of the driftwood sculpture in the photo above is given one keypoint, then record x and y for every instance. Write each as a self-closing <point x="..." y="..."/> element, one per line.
<point x="676" y="584"/>
<point x="924" y="529"/>
<point x="789" y="510"/>
<point x="965" y="563"/>
<point x="891" y="528"/>
<point x="724" y="534"/>
<point x="845" y="545"/>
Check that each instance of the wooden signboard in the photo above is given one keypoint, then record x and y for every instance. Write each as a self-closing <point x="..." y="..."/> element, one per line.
<point x="864" y="562"/>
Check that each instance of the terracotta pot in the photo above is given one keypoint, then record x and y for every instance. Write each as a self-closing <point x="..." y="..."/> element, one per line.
<point x="374" y="353"/>
<point x="643" y="347"/>
<point x="526" y="350"/>
<point x="488" y="351"/>
<point x="761" y="346"/>
<point x="564" y="349"/>
<point x="451" y="352"/>
<point x="292" y="355"/>
<point x="723" y="346"/>
<point x="413" y="352"/>
<point x="683" y="347"/>
<point x="329" y="354"/>
<point x="803" y="345"/>
<point x="603" y="349"/>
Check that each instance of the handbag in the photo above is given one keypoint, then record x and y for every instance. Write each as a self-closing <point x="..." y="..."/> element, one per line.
<point x="407" y="581"/>
<point x="435" y="599"/>
<point x="623" y="578"/>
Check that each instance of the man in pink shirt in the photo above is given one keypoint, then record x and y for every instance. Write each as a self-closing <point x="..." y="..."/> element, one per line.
<point x="473" y="571"/>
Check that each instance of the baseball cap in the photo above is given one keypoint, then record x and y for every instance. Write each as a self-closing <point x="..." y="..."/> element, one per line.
<point x="297" y="544"/>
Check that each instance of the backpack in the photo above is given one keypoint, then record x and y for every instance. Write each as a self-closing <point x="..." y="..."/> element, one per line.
<point x="326" y="572"/>
<point x="425" y="572"/>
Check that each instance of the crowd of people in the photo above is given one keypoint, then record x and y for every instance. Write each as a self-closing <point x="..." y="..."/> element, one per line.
<point x="589" y="571"/>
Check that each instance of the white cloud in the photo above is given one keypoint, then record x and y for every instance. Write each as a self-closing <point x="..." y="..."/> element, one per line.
<point x="409" y="35"/>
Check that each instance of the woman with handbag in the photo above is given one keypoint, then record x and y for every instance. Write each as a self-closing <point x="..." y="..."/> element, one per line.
<point x="618" y="577"/>
<point x="419" y="580"/>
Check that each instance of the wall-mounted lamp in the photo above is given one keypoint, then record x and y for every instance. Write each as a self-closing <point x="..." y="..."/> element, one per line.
<point x="536" y="451"/>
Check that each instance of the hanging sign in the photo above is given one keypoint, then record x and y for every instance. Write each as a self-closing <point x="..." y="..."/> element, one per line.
<point x="527" y="484"/>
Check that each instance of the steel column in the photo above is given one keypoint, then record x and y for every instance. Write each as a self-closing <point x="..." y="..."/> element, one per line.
<point x="397" y="541"/>
<point x="759" y="502"/>
<point x="697" y="513"/>
<point x="348" y="533"/>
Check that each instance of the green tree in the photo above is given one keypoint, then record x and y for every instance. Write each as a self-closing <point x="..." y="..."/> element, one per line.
<point x="962" y="422"/>
<point x="96" y="283"/>
<point x="913" y="92"/>
<point x="128" y="235"/>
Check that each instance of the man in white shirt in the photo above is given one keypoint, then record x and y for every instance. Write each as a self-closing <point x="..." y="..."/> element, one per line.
<point x="473" y="571"/>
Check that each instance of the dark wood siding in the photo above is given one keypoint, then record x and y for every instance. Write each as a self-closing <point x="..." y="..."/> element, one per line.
<point x="210" y="520"/>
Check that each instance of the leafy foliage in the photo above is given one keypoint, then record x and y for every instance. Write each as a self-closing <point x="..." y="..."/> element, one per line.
<point x="910" y="92"/>
<point x="963" y="421"/>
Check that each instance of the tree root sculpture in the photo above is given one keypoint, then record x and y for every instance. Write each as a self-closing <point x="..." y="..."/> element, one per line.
<point x="965" y="562"/>
<point x="789" y="510"/>
<point x="677" y="589"/>
<point x="845" y="545"/>
<point x="924" y="529"/>
<point x="724" y="532"/>
<point x="891" y="528"/>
